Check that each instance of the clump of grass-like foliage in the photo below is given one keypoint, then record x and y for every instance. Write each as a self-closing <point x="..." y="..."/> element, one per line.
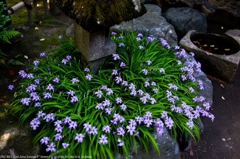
<point x="142" y="88"/>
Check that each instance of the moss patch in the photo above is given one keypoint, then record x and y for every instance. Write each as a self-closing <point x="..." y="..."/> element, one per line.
<point x="96" y="15"/>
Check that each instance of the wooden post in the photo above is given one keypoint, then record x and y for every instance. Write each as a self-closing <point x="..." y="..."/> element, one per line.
<point x="54" y="9"/>
<point x="46" y="7"/>
<point x="29" y="10"/>
<point x="35" y="8"/>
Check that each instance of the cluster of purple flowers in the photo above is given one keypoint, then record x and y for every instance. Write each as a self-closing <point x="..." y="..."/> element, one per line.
<point x="113" y="104"/>
<point x="23" y="74"/>
<point x="150" y="38"/>
<point x="67" y="59"/>
<point x="170" y="97"/>
<point x="164" y="43"/>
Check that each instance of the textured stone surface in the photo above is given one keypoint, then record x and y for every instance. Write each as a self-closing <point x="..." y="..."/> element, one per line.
<point x="152" y="22"/>
<point x="221" y="66"/>
<point x="210" y="6"/>
<point x="70" y="30"/>
<point x="94" y="46"/>
<point x="15" y="140"/>
<point x="168" y="149"/>
<point x="184" y="19"/>
<point x="235" y="33"/>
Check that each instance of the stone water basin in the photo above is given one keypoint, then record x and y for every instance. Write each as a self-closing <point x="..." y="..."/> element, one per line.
<point x="218" y="54"/>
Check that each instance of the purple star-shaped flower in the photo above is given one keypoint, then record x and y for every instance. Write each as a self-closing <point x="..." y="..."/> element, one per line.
<point x="86" y="70"/>
<point x="88" y="77"/>
<point x="139" y="119"/>
<point x="120" y="142"/>
<point x="103" y="139"/>
<point x="47" y="95"/>
<point x="37" y="81"/>
<point x="79" y="137"/>
<point x="38" y="104"/>
<point x="26" y="101"/>
<point x="22" y="73"/>
<point x="65" y="145"/>
<point x="51" y="147"/>
<point x="50" y="87"/>
<point x="74" y="99"/>
<point x="67" y="120"/>
<point x="140" y="47"/>
<point x="11" y="87"/>
<point x="70" y="92"/>
<point x="106" y="129"/>
<point x="36" y="63"/>
<point x="130" y="129"/>
<point x="49" y="117"/>
<point x="98" y="93"/>
<point x="41" y="114"/>
<point x="122" y="64"/>
<point x="72" y="125"/>
<point x="35" y="123"/>
<point x="87" y="127"/>
<point x="45" y="140"/>
<point x="120" y="131"/>
<point x="169" y="122"/>
<point x="114" y="72"/>
<point x="64" y="61"/>
<point x="56" y="80"/>
<point x="115" y="56"/>
<point x="145" y="71"/>
<point x="121" y="45"/>
<point x="93" y="130"/>
<point x="75" y="80"/>
<point x="58" y="137"/>
<point x="123" y="107"/>
<point x="42" y="54"/>
<point x="118" y="100"/>
<point x="68" y="57"/>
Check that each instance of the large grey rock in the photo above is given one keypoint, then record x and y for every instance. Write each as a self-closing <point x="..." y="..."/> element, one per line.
<point x="16" y="141"/>
<point x="148" y="1"/>
<point x="150" y="23"/>
<point x="167" y="145"/>
<point x="184" y="19"/>
<point x="207" y="92"/>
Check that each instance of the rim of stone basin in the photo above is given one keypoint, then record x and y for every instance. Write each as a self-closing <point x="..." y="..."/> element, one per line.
<point x="215" y="43"/>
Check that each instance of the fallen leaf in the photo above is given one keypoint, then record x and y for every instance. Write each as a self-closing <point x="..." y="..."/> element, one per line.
<point x="222" y="85"/>
<point x="2" y="60"/>
<point x="191" y="152"/>
<point x="15" y="80"/>
<point x="2" y="100"/>
<point x="25" y="56"/>
<point x="11" y="72"/>
<point x="223" y="98"/>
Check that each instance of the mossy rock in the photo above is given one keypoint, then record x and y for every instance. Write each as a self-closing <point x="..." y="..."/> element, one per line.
<point x="95" y="15"/>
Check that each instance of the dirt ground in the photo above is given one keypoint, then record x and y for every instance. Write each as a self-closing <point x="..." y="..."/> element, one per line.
<point x="220" y="139"/>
